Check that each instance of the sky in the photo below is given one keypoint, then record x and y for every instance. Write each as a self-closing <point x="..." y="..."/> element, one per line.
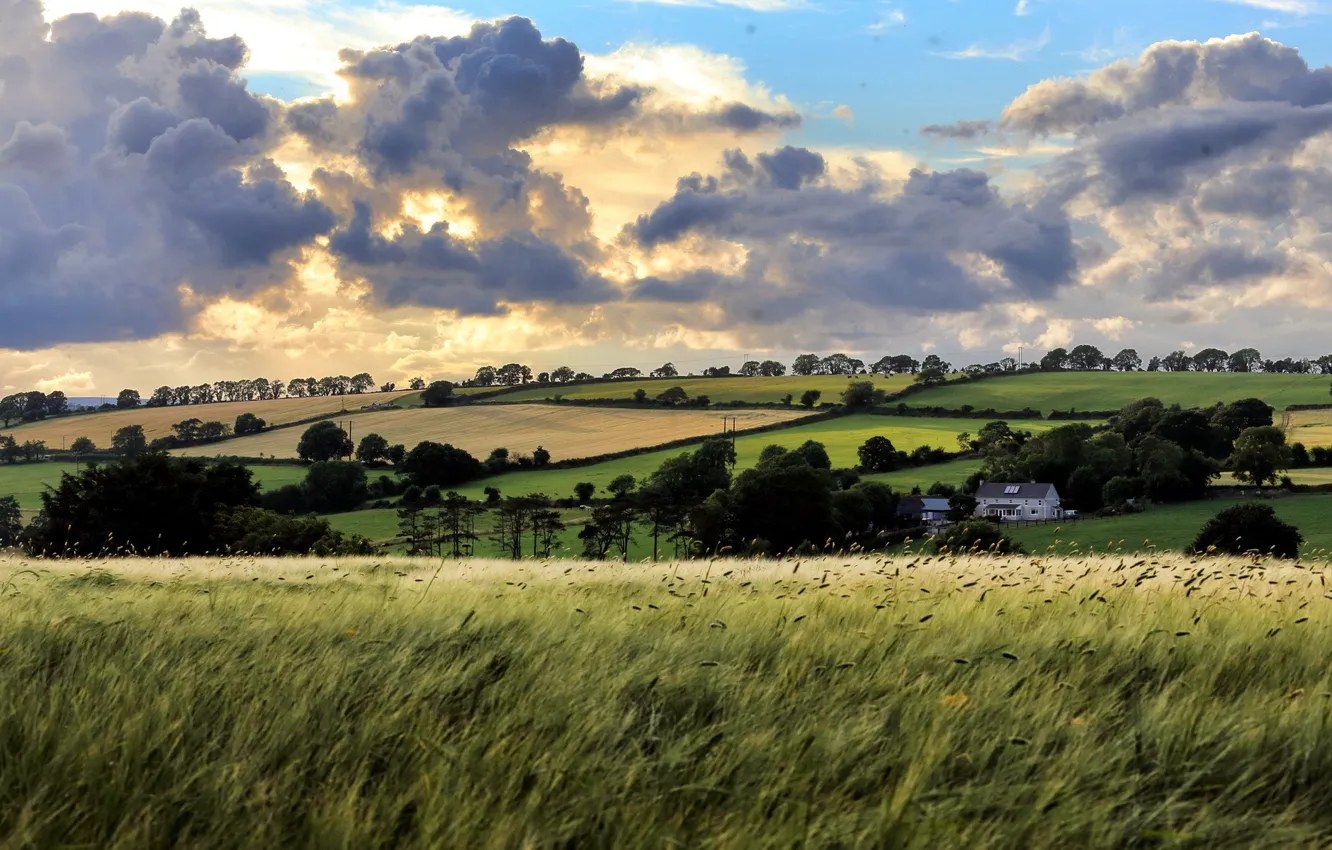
<point x="293" y="188"/>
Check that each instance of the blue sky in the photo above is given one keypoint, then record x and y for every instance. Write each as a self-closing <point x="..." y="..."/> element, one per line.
<point x="898" y="65"/>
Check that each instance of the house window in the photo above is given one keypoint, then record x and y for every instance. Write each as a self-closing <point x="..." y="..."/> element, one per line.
<point x="1034" y="512"/>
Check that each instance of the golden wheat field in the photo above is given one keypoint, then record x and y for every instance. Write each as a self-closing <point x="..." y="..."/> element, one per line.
<point x="565" y="432"/>
<point x="917" y="702"/>
<point x="157" y="421"/>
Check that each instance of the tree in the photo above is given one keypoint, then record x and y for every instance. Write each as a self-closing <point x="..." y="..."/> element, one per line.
<point x="624" y="372"/>
<point x="324" y="441"/>
<point x="717" y="372"/>
<point x="1121" y="489"/>
<point x="1084" y="489"/>
<point x="438" y="394"/>
<point x="862" y="394"/>
<point x="1055" y="360"/>
<point x="9" y="449"/>
<point x="564" y="374"/>
<point x="82" y="446"/>
<point x="879" y="455"/>
<point x="397" y="453"/>
<point x="1242" y="414"/>
<point x="1127" y="361"/>
<point x="750" y="369"/>
<point x="673" y="395"/>
<point x="248" y="423"/>
<point x="149" y="505"/>
<point x="485" y="376"/>
<point x="1245" y="360"/>
<point x="129" y="441"/>
<point x="372" y="449"/>
<point x="440" y="463"/>
<point x="810" y="398"/>
<point x="961" y="507"/>
<point x="1086" y="358"/>
<point x="621" y="486"/>
<point x="805" y="364"/>
<point x="934" y="361"/>
<point x="1211" y="360"/>
<point x="333" y="487"/>
<point x="666" y="370"/>
<point x="1260" y="455"/>
<point x="640" y="395"/>
<point x="11" y="521"/>
<point x="1176" y="361"/>
<point x="416" y="384"/>
<point x="540" y="457"/>
<point x="975" y="537"/>
<point x="127" y="399"/>
<point x="1154" y="365"/>
<point x="56" y="403"/>
<point x="584" y="491"/>
<point x="1250" y="527"/>
<point x="513" y="374"/>
<point x="931" y="377"/>
<point x="771" y="369"/>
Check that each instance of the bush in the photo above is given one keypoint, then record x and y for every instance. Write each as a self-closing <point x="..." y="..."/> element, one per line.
<point x="584" y="491"/>
<point x="438" y="394"/>
<point x="285" y="500"/>
<point x="809" y="398"/>
<point x="977" y="536"/>
<point x="254" y="531"/>
<point x="440" y="463"/>
<point x="1246" y="528"/>
<point x="248" y="423"/>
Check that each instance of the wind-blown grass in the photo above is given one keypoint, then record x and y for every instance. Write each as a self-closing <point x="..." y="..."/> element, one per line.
<point x="842" y="702"/>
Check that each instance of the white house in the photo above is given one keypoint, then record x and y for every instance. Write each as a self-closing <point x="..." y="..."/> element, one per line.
<point x="1018" y="502"/>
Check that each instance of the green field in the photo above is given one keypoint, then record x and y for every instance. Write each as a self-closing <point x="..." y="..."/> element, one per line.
<point x="954" y="472"/>
<point x="1113" y="390"/>
<point x="754" y="390"/>
<point x="28" y="480"/>
<point x="842" y="702"/>
<point x="1173" y="527"/>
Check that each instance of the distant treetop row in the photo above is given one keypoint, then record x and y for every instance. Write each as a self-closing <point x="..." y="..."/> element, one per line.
<point x="33" y="405"/>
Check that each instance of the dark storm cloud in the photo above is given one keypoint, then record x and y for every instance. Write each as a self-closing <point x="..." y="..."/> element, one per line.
<point x="739" y="116"/>
<point x="813" y="245"/>
<point x="433" y="268"/>
<point x="121" y="173"/>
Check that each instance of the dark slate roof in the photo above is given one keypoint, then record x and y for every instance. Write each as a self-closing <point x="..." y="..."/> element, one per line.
<point x="1005" y="490"/>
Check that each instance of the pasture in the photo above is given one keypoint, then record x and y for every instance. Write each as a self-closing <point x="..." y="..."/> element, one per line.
<point x="26" y="481"/>
<point x="909" y="702"/>
<point x="1112" y="390"/>
<point x="565" y="432"/>
<point x="157" y="421"/>
<point x="753" y="390"/>
<point x="1173" y="527"/>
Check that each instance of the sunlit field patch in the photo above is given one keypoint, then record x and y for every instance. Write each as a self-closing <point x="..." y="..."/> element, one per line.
<point x="905" y="702"/>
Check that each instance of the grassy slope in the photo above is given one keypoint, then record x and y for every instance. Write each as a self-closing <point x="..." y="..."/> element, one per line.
<point x="756" y="390"/>
<point x="565" y="432"/>
<point x="954" y="472"/>
<point x="1112" y="390"/>
<point x="369" y="703"/>
<point x="157" y="421"/>
<point x="1173" y="527"/>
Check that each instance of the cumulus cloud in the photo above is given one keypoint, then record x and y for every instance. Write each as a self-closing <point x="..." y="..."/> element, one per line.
<point x="945" y="241"/>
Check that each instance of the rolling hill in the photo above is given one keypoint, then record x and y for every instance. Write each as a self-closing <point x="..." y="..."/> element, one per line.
<point x="1094" y="391"/>
<point x="157" y="421"/>
<point x="724" y="390"/>
<point x="565" y="432"/>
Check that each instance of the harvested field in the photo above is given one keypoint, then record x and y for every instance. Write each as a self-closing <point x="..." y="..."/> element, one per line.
<point x="157" y="421"/>
<point x="752" y="390"/>
<point x="565" y="432"/>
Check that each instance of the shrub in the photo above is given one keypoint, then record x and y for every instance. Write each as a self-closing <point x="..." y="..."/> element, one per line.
<point x="977" y="536"/>
<point x="1250" y="527"/>
<point x="334" y="487"/>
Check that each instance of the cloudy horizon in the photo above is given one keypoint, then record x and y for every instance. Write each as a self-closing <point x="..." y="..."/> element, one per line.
<point x="244" y="190"/>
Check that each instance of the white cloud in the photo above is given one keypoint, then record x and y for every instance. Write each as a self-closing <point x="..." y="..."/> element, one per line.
<point x="1290" y="7"/>
<point x="751" y="5"/>
<point x="296" y="37"/>
<point x="1016" y="51"/>
<point x="892" y="18"/>
<point x="1022" y="8"/>
<point x="1114" y="327"/>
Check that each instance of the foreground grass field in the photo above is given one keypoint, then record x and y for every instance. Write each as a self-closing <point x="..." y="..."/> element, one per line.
<point x="157" y="421"/>
<point x="565" y="432"/>
<point x="916" y="703"/>
<point x="1113" y="390"/>
<point x="1173" y="527"/>
<point x="754" y="390"/>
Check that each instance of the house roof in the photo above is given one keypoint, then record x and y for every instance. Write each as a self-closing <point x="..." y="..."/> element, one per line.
<point x="923" y="503"/>
<point x="1002" y="490"/>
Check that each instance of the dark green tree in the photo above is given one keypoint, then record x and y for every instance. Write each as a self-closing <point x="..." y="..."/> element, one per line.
<point x="372" y="449"/>
<point x="335" y="487"/>
<point x="438" y="394"/>
<point x="324" y="441"/>
<point x="809" y="398"/>
<point x="440" y="463"/>
<point x="248" y="423"/>
<point x="129" y="441"/>
<point x="1250" y="527"/>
